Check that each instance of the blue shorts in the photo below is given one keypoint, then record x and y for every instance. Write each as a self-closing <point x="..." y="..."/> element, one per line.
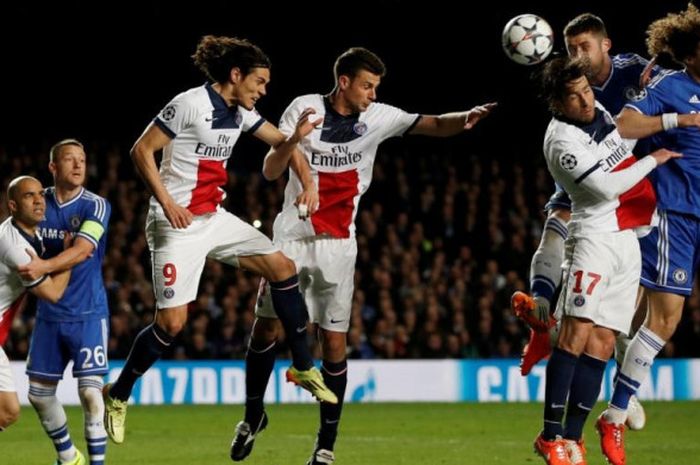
<point x="55" y="343"/>
<point x="670" y="253"/>
<point x="560" y="199"/>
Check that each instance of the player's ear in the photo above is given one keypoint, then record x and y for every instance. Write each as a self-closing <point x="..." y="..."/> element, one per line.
<point x="343" y="82"/>
<point x="52" y="167"/>
<point x="12" y="206"/>
<point x="235" y="75"/>
<point x="606" y="44"/>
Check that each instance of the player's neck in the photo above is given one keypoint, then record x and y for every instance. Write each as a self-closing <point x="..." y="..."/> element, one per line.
<point x="339" y="104"/>
<point x="26" y="228"/>
<point x="600" y="78"/>
<point x="226" y="93"/>
<point x="67" y="193"/>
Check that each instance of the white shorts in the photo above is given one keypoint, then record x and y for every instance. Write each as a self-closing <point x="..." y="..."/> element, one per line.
<point x="7" y="381"/>
<point x="601" y="277"/>
<point x="178" y="255"/>
<point x="326" y="268"/>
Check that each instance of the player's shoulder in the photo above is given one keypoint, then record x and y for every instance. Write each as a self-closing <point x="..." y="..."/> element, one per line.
<point x="10" y="237"/>
<point x="306" y="101"/>
<point x="195" y="97"/>
<point x="90" y="197"/>
<point x="666" y="78"/>
<point x="629" y="60"/>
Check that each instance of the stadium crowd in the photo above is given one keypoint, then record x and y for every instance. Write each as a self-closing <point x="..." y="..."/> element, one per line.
<point x="444" y="239"/>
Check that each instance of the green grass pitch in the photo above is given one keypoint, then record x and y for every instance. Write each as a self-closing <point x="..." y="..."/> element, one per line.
<point x="371" y="434"/>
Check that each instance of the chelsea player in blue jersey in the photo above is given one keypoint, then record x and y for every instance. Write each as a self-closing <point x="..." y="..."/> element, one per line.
<point x="671" y="253"/>
<point x="75" y="328"/>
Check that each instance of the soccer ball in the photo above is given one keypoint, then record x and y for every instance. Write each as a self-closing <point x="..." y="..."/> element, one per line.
<point x="527" y="39"/>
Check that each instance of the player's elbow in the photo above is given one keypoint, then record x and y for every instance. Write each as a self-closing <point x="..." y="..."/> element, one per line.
<point x="270" y="171"/>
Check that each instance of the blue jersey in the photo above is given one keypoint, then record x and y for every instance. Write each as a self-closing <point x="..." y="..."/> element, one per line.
<point x="86" y="216"/>
<point x="622" y="84"/>
<point x="677" y="182"/>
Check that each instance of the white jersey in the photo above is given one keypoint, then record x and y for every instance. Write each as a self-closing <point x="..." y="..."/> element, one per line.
<point x="13" y="253"/>
<point x="341" y="154"/>
<point x="606" y="183"/>
<point x="204" y="130"/>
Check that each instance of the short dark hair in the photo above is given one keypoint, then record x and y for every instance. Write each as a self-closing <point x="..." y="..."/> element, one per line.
<point x="586" y="22"/>
<point x="56" y="148"/>
<point x="217" y="55"/>
<point x="357" y="59"/>
<point x="556" y="74"/>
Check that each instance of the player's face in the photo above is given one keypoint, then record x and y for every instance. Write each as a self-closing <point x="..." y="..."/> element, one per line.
<point x="252" y="87"/>
<point x="360" y="91"/>
<point x="578" y="102"/>
<point x="28" y="206"/>
<point x="592" y="46"/>
<point x="68" y="167"/>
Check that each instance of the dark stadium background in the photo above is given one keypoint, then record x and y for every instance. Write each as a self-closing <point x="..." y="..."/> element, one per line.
<point x="96" y="69"/>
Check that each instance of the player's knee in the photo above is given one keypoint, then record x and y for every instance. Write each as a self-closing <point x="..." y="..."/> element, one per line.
<point x="334" y="346"/>
<point x="91" y="398"/>
<point x="172" y="322"/>
<point x="40" y="401"/>
<point x="282" y="268"/>
<point x="9" y="414"/>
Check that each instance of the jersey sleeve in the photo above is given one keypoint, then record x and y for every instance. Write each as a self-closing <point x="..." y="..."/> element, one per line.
<point x="177" y="115"/>
<point x="95" y="221"/>
<point x="573" y="164"/>
<point x="288" y="121"/>
<point x="16" y="256"/>
<point x="397" y="122"/>
<point x="251" y="120"/>
<point x="651" y="101"/>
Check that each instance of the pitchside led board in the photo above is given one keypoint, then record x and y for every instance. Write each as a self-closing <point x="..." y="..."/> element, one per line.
<point x="223" y="382"/>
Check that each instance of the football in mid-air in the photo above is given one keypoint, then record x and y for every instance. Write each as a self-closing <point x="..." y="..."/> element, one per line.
<point x="527" y="39"/>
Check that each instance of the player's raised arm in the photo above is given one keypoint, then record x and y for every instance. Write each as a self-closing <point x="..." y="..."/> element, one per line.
<point x="450" y="124"/>
<point x="634" y="125"/>
<point x="143" y="152"/>
<point x="278" y="158"/>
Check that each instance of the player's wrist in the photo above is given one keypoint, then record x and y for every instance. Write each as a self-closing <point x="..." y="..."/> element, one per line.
<point x="669" y="121"/>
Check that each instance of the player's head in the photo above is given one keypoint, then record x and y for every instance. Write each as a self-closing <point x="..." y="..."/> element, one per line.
<point x="358" y="73"/>
<point x="236" y="61"/>
<point x="679" y="35"/>
<point x="566" y="89"/>
<point x="585" y="35"/>
<point x="67" y="163"/>
<point x="25" y="200"/>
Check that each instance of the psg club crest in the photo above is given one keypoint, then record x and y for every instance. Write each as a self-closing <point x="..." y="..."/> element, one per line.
<point x="239" y="118"/>
<point x="579" y="301"/>
<point x="168" y="293"/>
<point x="359" y="128"/>
<point x="168" y="113"/>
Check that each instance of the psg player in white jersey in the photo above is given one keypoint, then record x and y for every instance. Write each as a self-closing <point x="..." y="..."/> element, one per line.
<point x="186" y="224"/>
<point x="18" y="237"/>
<point x="341" y="155"/>
<point x="611" y="199"/>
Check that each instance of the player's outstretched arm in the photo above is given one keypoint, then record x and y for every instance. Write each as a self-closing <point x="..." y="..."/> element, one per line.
<point x="634" y="125"/>
<point x="281" y="147"/>
<point x="450" y="124"/>
<point x="143" y="155"/>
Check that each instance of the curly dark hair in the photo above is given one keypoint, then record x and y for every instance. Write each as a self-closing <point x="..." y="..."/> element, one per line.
<point x="217" y="55"/>
<point x="677" y="34"/>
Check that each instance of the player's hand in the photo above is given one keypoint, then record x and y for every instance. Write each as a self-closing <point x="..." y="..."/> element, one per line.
<point x="67" y="239"/>
<point x="663" y="155"/>
<point x="179" y="217"/>
<point x="305" y="124"/>
<point x="307" y="203"/>
<point x="35" y="269"/>
<point x="478" y="113"/>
